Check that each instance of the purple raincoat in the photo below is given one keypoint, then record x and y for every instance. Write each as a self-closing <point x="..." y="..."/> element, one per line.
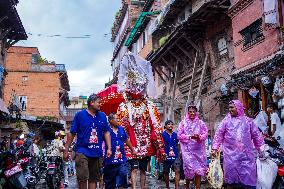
<point x="193" y="152"/>
<point x="238" y="136"/>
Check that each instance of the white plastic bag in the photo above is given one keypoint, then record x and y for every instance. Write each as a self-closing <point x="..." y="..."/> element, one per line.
<point x="215" y="175"/>
<point x="261" y="121"/>
<point x="266" y="173"/>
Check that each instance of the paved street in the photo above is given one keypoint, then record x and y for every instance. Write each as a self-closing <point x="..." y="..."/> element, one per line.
<point x="151" y="183"/>
<point x="72" y="184"/>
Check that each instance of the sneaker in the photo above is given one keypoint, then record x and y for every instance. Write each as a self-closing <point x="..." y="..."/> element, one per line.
<point x="66" y="184"/>
<point x="148" y="173"/>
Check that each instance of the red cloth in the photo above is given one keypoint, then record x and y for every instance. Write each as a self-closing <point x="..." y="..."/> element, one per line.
<point x="20" y="143"/>
<point x="151" y="150"/>
<point x="110" y="99"/>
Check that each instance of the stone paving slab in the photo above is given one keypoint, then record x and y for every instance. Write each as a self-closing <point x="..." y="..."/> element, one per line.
<point x="151" y="183"/>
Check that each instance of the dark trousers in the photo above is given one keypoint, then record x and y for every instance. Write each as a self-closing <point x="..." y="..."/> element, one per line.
<point x="115" y="176"/>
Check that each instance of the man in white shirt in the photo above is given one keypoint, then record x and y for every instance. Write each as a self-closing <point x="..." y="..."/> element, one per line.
<point x="56" y="147"/>
<point x="275" y="127"/>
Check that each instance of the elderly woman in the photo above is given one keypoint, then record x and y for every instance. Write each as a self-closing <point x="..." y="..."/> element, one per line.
<point x="192" y="133"/>
<point x="238" y="136"/>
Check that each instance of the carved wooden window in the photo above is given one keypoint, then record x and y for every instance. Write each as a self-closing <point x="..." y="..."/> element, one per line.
<point x="181" y="17"/>
<point x="222" y="46"/>
<point x="252" y="34"/>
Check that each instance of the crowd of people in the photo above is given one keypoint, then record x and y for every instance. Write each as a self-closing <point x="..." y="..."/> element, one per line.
<point x="112" y="150"/>
<point x="239" y="137"/>
<point x="35" y="150"/>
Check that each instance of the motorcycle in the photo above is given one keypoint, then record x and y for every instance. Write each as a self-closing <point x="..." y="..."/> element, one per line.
<point x="54" y="173"/>
<point x="277" y="154"/>
<point x="42" y="166"/>
<point x="25" y="160"/>
<point x="11" y="174"/>
<point x="33" y="176"/>
<point x="279" y="181"/>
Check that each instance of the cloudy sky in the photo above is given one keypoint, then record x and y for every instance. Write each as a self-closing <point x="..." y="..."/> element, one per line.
<point x="87" y="60"/>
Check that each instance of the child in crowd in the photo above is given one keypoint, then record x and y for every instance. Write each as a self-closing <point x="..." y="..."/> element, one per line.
<point x="171" y="148"/>
<point x="115" y="166"/>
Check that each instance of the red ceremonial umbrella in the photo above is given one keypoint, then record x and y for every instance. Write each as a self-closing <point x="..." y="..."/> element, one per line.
<point x="110" y="99"/>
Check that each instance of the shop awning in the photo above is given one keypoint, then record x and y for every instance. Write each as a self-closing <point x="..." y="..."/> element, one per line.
<point x="110" y="99"/>
<point x="257" y="64"/>
<point x="3" y="107"/>
<point x="243" y="76"/>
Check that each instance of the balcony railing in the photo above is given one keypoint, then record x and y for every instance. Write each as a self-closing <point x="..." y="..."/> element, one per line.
<point x="48" y="67"/>
<point x="43" y="67"/>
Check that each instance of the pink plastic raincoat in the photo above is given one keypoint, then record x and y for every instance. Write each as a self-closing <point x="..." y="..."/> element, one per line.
<point x="193" y="152"/>
<point x="238" y="136"/>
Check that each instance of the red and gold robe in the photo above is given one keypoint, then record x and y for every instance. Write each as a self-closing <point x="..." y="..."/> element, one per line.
<point x="141" y="121"/>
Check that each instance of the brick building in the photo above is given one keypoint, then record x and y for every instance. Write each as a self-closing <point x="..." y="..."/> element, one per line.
<point x="189" y="50"/>
<point x="206" y="51"/>
<point x="40" y="86"/>
<point x="124" y="20"/>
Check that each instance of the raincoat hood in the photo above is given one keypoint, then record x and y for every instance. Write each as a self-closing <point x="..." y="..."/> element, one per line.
<point x="240" y="108"/>
<point x="187" y="106"/>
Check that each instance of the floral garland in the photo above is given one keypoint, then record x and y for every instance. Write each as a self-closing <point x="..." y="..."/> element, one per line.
<point x="140" y="114"/>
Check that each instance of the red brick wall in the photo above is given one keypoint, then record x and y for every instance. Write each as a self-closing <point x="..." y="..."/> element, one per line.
<point x="134" y="13"/>
<point x="259" y="51"/>
<point x="210" y="105"/>
<point x="20" y="58"/>
<point x="146" y="49"/>
<point x="41" y="89"/>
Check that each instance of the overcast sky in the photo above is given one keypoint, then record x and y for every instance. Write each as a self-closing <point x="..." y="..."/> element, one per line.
<point x="87" y="60"/>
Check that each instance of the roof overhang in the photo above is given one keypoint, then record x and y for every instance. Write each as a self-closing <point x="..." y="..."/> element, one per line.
<point x="10" y="20"/>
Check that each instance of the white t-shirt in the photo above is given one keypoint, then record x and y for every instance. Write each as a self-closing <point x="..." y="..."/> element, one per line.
<point x="36" y="149"/>
<point x="275" y="120"/>
<point x="54" y="148"/>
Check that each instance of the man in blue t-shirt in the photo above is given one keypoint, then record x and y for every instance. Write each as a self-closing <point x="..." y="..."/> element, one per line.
<point x="171" y="149"/>
<point x="91" y="126"/>
<point x="115" y="166"/>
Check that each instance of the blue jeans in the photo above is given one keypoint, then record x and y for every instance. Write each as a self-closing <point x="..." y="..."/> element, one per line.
<point x="65" y="171"/>
<point x="115" y="175"/>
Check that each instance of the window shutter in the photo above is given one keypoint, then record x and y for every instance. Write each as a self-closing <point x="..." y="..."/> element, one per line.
<point x="222" y="46"/>
<point x="270" y="12"/>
